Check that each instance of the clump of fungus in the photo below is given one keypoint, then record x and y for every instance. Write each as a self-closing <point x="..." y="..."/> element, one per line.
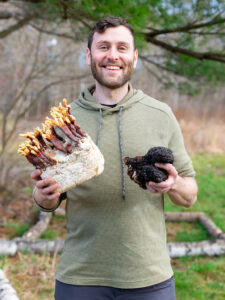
<point x="40" y="147"/>
<point x="142" y="169"/>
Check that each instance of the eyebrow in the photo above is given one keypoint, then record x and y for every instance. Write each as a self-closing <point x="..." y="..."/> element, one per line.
<point x="107" y="42"/>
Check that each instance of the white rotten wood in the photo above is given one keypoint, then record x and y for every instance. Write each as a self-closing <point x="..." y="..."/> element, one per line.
<point x="8" y="247"/>
<point x="206" y="248"/>
<point x="7" y="292"/>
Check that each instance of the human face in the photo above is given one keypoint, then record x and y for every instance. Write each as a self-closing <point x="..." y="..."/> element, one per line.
<point x="112" y="57"/>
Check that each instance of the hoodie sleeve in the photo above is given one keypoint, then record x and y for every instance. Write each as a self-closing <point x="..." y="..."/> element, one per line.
<point x="182" y="162"/>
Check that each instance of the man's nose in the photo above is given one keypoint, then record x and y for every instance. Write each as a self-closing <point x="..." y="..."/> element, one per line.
<point x="113" y="53"/>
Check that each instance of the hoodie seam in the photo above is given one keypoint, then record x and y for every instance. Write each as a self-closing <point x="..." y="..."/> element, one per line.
<point x="168" y="113"/>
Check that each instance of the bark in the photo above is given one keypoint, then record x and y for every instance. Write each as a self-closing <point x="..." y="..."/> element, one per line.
<point x="206" y="248"/>
<point x="39" y="227"/>
<point x="7" y="292"/>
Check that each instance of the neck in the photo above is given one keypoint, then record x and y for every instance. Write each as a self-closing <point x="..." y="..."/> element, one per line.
<point x="109" y="96"/>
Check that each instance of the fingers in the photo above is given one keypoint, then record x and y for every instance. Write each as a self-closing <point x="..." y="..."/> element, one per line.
<point x="46" y="193"/>
<point x="51" y="197"/>
<point x="50" y="189"/>
<point x="156" y="188"/>
<point x="41" y="184"/>
<point x="47" y="187"/>
<point x="164" y="186"/>
<point x="171" y="170"/>
<point x="36" y="174"/>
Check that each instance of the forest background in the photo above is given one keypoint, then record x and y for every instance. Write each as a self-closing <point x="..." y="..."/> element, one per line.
<point x="42" y="60"/>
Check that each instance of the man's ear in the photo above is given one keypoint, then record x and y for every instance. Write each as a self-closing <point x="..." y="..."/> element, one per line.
<point x="135" y="58"/>
<point x="88" y="56"/>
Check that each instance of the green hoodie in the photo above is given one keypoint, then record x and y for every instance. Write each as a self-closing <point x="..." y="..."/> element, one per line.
<point x="116" y="230"/>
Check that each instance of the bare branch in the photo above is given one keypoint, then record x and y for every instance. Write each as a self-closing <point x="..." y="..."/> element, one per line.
<point x="4" y="14"/>
<point x="198" y="55"/>
<point x="207" y="33"/>
<point x="185" y="28"/>
<point x="4" y="33"/>
<point x="62" y="35"/>
<point x="22" y="114"/>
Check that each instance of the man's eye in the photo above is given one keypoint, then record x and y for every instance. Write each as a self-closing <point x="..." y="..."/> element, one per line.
<point x="122" y="48"/>
<point x="103" y="47"/>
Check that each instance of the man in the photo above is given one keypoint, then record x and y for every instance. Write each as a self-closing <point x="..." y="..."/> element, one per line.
<point x="116" y="245"/>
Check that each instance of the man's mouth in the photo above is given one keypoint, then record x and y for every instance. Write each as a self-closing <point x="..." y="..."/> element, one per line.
<point x="109" y="67"/>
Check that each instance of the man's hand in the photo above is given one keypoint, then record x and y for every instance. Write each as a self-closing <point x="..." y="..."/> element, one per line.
<point x="181" y="190"/>
<point x="164" y="186"/>
<point x="46" y="194"/>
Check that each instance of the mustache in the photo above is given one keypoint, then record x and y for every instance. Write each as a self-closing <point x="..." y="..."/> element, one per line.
<point x="112" y="63"/>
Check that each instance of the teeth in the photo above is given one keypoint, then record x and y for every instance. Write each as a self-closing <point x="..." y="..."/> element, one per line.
<point x="112" y="67"/>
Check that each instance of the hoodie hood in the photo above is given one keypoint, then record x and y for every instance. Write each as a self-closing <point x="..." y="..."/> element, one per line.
<point x="87" y="101"/>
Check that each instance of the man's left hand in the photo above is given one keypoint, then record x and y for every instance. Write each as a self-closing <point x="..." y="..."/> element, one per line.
<point x="164" y="186"/>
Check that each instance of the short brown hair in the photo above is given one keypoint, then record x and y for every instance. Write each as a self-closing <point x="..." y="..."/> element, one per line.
<point x="108" y="22"/>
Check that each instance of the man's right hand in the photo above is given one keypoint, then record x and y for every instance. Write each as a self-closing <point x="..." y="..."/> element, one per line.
<point x="46" y="194"/>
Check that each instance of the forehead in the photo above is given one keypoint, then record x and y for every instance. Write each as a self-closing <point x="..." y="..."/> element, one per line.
<point x="114" y="35"/>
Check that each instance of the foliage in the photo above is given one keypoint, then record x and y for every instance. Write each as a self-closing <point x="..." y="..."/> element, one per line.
<point x="182" y="37"/>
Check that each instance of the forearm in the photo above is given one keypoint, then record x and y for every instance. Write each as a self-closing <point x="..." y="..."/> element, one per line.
<point x="184" y="191"/>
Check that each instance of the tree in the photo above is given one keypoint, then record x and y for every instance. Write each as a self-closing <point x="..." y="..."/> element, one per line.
<point x="185" y="38"/>
<point x="29" y="69"/>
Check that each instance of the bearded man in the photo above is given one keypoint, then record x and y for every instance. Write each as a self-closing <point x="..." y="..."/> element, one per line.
<point x="116" y="245"/>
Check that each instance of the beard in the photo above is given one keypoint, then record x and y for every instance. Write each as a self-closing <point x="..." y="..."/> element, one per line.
<point x="127" y="71"/>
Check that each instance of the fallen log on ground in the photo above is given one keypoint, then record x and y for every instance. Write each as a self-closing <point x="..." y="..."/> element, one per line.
<point x="7" y="292"/>
<point x="35" y="231"/>
<point x="37" y="246"/>
<point x="206" y="248"/>
<point x="209" y="225"/>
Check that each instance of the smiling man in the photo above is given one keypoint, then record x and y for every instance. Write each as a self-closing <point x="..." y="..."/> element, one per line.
<point x="116" y="246"/>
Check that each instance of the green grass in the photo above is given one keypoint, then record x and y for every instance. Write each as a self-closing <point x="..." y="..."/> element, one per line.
<point x="17" y="229"/>
<point x="49" y="235"/>
<point x="202" y="278"/>
<point x="199" y="278"/>
<point x="186" y="232"/>
<point x="210" y="176"/>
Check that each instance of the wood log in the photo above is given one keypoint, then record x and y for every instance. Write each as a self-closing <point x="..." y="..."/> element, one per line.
<point x="35" y="231"/>
<point x="7" y="292"/>
<point x="11" y="247"/>
<point x="60" y="211"/>
<point x="8" y="248"/>
<point x="183" y="216"/>
<point x="209" y="225"/>
<point x="39" y="246"/>
<point x="206" y="248"/>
